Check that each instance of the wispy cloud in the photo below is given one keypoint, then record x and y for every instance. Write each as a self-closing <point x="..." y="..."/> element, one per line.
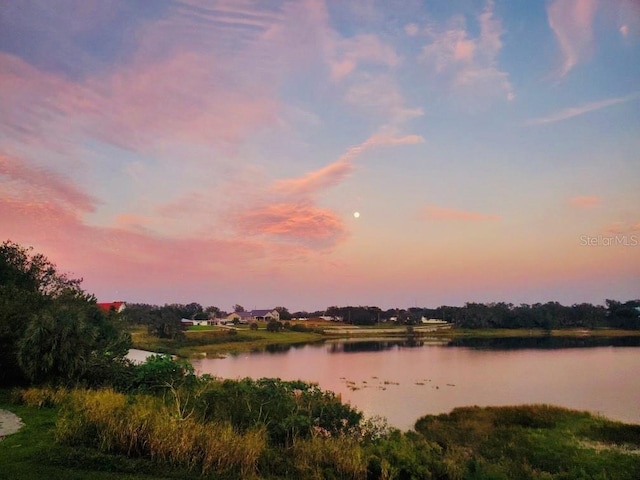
<point x="571" y="112"/>
<point x="363" y="49"/>
<point x="572" y="24"/>
<point x="332" y="174"/>
<point x="469" y="64"/>
<point x="437" y="213"/>
<point x="43" y="185"/>
<point x="622" y="227"/>
<point x="585" y="201"/>
<point x="316" y="180"/>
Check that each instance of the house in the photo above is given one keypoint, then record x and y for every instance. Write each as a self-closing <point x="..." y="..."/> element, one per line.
<point x="265" y="315"/>
<point x="188" y="322"/>
<point x="432" y="321"/>
<point x="241" y="317"/>
<point x="254" y="316"/>
<point x="116" y="307"/>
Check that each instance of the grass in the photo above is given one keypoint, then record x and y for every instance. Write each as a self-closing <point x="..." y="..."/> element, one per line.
<point x="33" y="454"/>
<point x="535" y="442"/>
<point x="219" y="342"/>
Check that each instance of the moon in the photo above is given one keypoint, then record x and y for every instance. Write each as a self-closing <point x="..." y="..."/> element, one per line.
<point x="356" y="214"/>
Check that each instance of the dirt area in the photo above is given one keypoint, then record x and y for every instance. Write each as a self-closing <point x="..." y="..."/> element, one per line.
<point x="9" y="423"/>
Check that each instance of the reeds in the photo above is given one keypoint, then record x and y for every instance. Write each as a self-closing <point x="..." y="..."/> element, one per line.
<point x="143" y="426"/>
<point x="44" y="397"/>
<point x="341" y="455"/>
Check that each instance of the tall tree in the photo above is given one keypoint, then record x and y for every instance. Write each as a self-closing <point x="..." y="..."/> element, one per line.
<point x="49" y="327"/>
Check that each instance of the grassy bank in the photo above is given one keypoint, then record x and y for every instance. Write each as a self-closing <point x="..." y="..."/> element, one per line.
<point x="103" y="435"/>
<point x="213" y="342"/>
<point x="216" y="341"/>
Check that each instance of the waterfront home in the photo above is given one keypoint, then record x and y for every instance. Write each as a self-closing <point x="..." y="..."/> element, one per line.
<point x="254" y="316"/>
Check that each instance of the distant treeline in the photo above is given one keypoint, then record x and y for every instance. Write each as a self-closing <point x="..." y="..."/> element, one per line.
<point x="550" y="315"/>
<point x="164" y="321"/>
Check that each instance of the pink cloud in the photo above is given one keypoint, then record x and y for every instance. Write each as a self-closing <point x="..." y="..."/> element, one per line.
<point x="299" y="222"/>
<point x="135" y="105"/>
<point x="571" y="112"/>
<point x="361" y="49"/>
<point x="332" y="174"/>
<point x="585" y="201"/>
<point x="622" y="227"/>
<point x="144" y="101"/>
<point x="433" y="212"/>
<point x="572" y="24"/>
<point x="317" y="180"/>
<point x="108" y="255"/>
<point x="469" y="64"/>
<point x="42" y="185"/>
<point x="411" y="29"/>
<point x="379" y="94"/>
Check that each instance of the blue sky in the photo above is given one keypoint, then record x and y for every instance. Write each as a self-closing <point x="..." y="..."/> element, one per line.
<point x="216" y="151"/>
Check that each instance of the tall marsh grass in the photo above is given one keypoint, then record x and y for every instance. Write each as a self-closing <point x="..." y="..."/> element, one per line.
<point x="44" y="397"/>
<point x="143" y="426"/>
<point x="319" y="458"/>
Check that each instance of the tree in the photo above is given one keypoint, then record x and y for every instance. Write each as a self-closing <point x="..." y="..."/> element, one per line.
<point x="188" y="311"/>
<point x="165" y="322"/>
<point x="274" y="326"/>
<point x="238" y="308"/>
<point x="49" y="327"/>
<point x="284" y="313"/>
<point x="212" y="310"/>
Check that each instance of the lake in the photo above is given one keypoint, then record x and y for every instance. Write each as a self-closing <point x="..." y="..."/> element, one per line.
<point x="403" y="379"/>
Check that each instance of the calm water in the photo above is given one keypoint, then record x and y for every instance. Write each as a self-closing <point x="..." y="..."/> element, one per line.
<point x="403" y="380"/>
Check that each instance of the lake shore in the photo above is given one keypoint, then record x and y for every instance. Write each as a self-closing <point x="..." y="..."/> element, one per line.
<point x="215" y="342"/>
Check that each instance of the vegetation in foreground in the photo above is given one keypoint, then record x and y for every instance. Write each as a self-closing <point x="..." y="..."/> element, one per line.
<point x="269" y="429"/>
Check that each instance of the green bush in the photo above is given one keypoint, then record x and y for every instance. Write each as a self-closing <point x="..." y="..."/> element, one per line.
<point x="160" y="372"/>
<point x="274" y="326"/>
<point x="288" y="410"/>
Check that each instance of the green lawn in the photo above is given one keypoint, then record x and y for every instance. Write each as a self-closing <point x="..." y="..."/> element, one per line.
<point x="220" y="341"/>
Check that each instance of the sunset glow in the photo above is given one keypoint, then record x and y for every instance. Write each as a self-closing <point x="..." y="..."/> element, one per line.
<point x="321" y="152"/>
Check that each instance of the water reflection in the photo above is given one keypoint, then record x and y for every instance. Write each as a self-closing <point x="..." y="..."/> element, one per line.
<point x="374" y="345"/>
<point x="544" y="342"/>
<point x="378" y="344"/>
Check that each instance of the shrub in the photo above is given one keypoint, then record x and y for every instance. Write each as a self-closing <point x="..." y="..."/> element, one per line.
<point x="40" y="397"/>
<point x="274" y="326"/>
<point x="159" y="372"/>
<point x="288" y="410"/>
<point x="332" y="457"/>
<point x="298" y="327"/>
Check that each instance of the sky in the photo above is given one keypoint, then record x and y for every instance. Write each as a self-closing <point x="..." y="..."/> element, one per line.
<point x="310" y="153"/>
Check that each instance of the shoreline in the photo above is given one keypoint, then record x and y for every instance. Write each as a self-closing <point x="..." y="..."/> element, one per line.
<point x="245" y="340"/>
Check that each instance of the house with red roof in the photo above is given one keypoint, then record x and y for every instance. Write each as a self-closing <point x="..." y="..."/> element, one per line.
<point x="112" y="306"/>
